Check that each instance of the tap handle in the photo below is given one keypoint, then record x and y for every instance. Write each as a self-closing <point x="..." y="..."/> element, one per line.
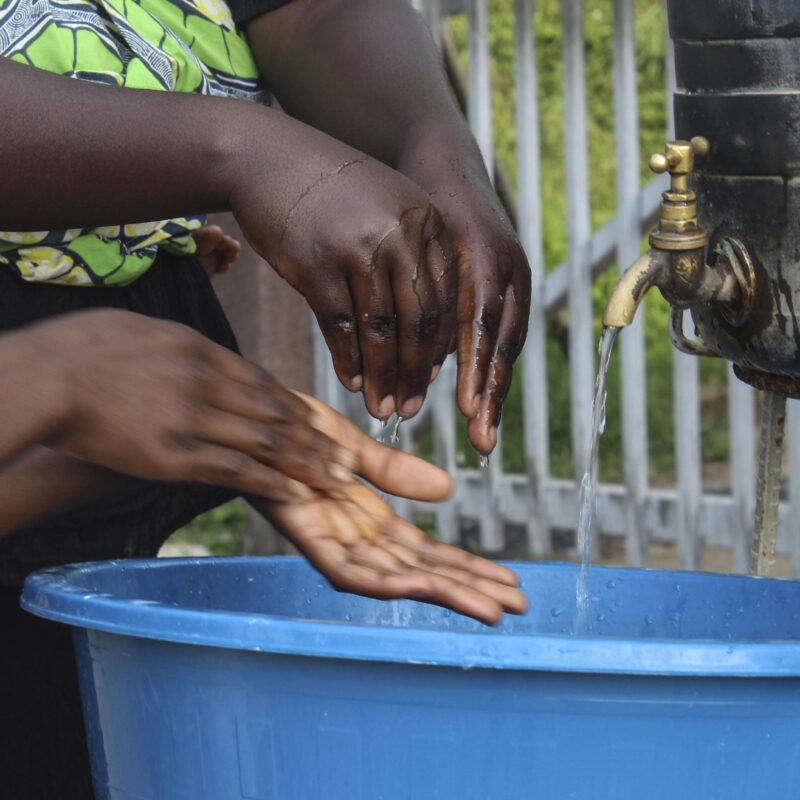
<point x="678" y="156"/>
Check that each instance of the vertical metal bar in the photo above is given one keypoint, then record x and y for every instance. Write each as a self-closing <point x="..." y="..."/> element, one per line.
<point x="581" y="352"/>
<point x="534" y="356"/>
<point x="670" y="74"/>
<point x="688" y="457"/>
<point x="479" y="112"/>
<point x="479" y="101"/>
<point x="634" y="404"/>
<point x="794" y="485"/>
<point x="768" y="492"/>
<point x="741" y="411"/>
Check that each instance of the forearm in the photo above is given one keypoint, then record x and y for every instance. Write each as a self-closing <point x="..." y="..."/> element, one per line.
<point x="364" y="71"/>
<point x="39" y="483"/>
<point x="76" y="154"/>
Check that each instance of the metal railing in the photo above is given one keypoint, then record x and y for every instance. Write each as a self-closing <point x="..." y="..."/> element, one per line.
<point x="632" y="511"/>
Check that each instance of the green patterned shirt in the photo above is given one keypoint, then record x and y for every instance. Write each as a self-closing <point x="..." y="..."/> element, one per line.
<point x="168" y="45"/>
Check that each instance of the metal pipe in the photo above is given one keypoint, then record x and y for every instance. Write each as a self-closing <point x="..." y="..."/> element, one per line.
<point x="632" y="287"/>
<point x="768" y="492"/>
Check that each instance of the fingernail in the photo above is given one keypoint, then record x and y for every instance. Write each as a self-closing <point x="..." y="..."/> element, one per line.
<point x="300" y="490"/>
<point x="386" y="407"/>
<point x="435" y="372"/>
<point x="339" y="472"/>
<point x="356" y="383"/>
<point x="411" y="406"/>
<point x="347" y="458"/>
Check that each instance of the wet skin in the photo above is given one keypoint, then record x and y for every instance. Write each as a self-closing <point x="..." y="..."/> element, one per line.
<point x="367" y="73"/>
<point x="400" y="260"/>
<point x="86" y="385"/>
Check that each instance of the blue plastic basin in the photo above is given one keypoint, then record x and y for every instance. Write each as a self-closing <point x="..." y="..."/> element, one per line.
<point x="218" y="679"/>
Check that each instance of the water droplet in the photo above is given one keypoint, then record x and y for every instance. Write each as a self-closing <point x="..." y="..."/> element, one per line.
<point x="649" y="620"/>
<point x="611" y="584"/>
<point x="556" y="612"/>
<point x="484" y="462"/>
<point x="348" y="617"/>
<point x="676" y="587"/>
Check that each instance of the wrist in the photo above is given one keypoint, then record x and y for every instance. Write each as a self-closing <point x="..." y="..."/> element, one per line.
<point x="441" y="153"/>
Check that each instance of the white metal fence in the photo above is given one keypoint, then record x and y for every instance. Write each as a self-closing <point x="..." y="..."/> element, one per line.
<point x="491" y="500"/>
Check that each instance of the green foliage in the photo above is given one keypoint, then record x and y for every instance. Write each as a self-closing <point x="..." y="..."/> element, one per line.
<point x="650" y="31"/>
<point x="219" y="530"/>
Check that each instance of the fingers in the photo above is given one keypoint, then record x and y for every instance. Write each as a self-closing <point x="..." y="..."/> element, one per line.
<point x="317" y="464"/>
<point x="221" y="466"/>
<point x="418" y="322"/>
<point x="446" y="555"/>
<point x="511" y="599"/>
<point x="388" y="469"/>
<point x="377" y="337"/>
<point x="425" y="298"/>
<point x="333" y="308"/>
<point x="480" y="308"/>
<point x="482" y="429"/>
<point x="395" y="564"/>
<point x="216" y="251"/>
<point x="443" y="269"/>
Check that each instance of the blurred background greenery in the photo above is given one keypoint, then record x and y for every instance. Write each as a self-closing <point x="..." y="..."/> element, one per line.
<point x="221" y="530"/>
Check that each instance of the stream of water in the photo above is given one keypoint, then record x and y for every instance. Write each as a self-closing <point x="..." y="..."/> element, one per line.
<point x="588" y="490"/>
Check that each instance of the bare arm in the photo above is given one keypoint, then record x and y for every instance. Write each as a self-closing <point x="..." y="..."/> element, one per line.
<point x="40" y="483"/>
<point x="345" y="230"/>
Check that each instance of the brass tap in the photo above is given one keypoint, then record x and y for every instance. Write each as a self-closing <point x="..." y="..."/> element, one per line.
<point x="676" y="259"/>
<point x="678" y="228"/>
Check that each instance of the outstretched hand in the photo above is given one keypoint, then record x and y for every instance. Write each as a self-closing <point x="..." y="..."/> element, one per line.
<point x="361" y="546"/>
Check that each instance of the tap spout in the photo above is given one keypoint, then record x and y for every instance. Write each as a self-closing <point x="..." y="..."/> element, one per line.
<point x="632" y="286"/>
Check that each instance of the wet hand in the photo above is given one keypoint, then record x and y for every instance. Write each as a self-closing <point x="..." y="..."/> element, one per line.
<point x="361" y="546"/>
<point x="368" y="250"/>
<point x="494" y="282"/>
<point x="157" y="400"/>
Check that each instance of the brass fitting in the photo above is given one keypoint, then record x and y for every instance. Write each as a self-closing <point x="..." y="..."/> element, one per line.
<point x="676" y="259"/>
<point x="678" y="228"/>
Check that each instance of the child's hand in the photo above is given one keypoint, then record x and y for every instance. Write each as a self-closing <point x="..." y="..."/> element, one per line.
<point x="157" y="400"/>
<point x="216" y="251"/>
<point x="361" y="546"/>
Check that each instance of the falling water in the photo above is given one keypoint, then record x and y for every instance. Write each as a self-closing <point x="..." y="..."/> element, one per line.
<point x="484" y="461"/>
<point x="395" y="437"/>
<point x="588" y="490"/>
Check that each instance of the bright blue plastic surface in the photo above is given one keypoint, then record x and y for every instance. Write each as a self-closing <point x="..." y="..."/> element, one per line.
<point x="218" y="679"/>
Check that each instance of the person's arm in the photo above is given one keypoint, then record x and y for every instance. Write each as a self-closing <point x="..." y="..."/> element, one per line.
<point x="151" y="399"/>
<point x="367" y="72"/>
<point x="40" y="483"/>
<point x="361" y="242"/>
